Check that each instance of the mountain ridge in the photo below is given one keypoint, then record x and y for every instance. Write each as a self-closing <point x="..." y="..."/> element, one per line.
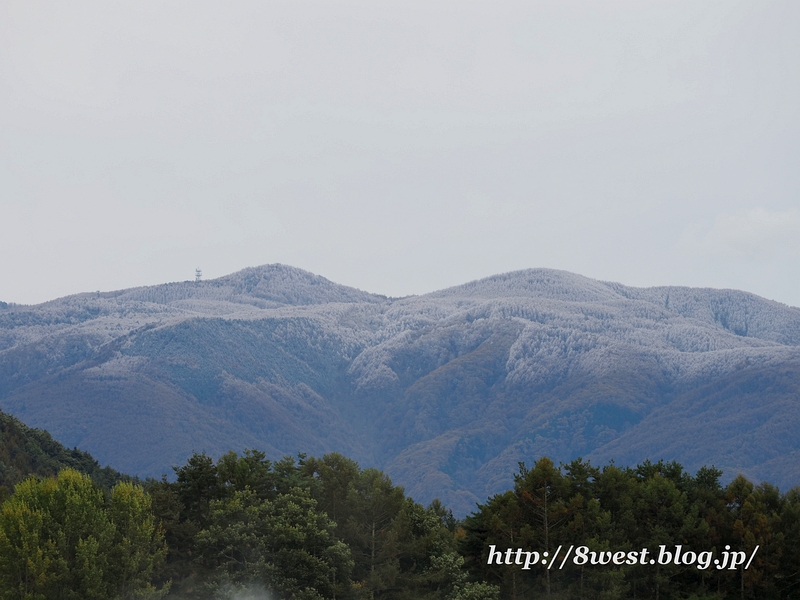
<point x="446" y="391"/>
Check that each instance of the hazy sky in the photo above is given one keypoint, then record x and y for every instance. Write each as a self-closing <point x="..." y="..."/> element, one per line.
<point x="399" y="147"/>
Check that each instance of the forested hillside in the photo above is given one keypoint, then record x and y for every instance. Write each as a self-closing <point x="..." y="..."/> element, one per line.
<point x="311" y="528"/>
<point x="25" y="451"/>
<point x="446" y="392"/>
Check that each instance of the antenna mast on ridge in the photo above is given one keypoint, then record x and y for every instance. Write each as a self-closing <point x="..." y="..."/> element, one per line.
<point x="198" y="274"/>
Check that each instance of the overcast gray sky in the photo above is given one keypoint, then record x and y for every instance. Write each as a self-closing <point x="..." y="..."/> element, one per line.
<point x="399" y="147"/>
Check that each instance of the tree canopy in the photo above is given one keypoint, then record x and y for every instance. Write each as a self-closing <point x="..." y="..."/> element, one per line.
<point x="311" y="528"/>
<point x="63" y="539"/>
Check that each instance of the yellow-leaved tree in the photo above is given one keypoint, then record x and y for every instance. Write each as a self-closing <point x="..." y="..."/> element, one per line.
<point x="62" y="539"/>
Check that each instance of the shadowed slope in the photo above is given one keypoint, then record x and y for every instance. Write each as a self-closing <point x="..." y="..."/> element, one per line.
<point x="25" y="451"/>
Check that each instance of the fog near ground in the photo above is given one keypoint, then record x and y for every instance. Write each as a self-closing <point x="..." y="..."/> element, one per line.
<point x="251" y="591"/>
<point x="399" y="148"/>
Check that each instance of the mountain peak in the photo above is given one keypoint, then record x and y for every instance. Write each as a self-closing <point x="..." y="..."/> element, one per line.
<point x="265" y="285"/>
<point x="539" y="283"/>
<point x="289" y="285"/>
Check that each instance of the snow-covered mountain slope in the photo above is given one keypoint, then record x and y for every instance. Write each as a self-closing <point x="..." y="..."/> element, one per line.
<point x="447" y="391"/>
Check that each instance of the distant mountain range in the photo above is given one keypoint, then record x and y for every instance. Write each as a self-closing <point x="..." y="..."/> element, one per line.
<point x="445" y="391"/>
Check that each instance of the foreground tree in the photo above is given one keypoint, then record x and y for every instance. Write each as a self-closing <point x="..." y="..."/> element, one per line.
<point x="286" y="544"/>
<point x="61" y="539"/>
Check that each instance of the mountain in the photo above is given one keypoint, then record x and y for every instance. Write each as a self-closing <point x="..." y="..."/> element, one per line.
<point x="446" y="391"/>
